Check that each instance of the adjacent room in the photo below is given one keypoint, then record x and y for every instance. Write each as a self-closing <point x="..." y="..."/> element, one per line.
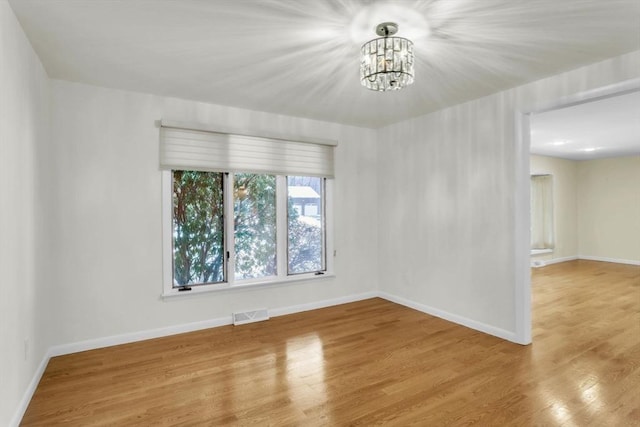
<point x="585" y="223"/>
<point x="585" y="167"/>
<point x="349" y="212"/>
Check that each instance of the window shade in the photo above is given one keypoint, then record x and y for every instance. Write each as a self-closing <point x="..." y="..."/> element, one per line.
<point x="189" y="149"/>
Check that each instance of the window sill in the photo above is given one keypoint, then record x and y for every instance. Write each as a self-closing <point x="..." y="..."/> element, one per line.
<point x="222" y="287"/>
<point x="541" y="251"/>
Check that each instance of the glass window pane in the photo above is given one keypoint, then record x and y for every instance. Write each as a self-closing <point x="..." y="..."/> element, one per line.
<point x="198" y="230"/>
<point x="255" y="225"/>
<point x="305" y="224"/>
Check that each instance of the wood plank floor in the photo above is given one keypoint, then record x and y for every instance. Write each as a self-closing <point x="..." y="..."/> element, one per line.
<point x="374" y="362"/>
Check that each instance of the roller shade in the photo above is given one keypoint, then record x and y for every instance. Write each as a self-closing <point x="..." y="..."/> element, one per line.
<point x="190" y="149"/>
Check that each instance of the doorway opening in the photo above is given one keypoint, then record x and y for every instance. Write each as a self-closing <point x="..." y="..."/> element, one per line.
<point x="558" y="250"/>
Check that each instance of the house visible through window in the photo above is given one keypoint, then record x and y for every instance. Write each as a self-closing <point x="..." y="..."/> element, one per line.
<point x="204" y="238"/>
<point x="305" y="226"/>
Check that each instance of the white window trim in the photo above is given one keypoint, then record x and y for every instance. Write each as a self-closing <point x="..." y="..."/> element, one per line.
<point x="541" y="251"/>
<point x="169" y="291"/>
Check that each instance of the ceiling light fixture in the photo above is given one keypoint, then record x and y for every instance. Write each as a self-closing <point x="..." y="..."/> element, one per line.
<point x="386" y="62"/>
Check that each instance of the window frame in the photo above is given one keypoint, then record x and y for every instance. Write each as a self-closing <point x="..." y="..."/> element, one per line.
<point x="323" y="206"/>
<point x="282" y="277"/>
<point x="230" y="236"/>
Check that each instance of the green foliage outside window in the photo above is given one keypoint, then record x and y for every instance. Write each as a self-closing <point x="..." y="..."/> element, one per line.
<point x="198" y="228"/>
<point x="255" y="225"/>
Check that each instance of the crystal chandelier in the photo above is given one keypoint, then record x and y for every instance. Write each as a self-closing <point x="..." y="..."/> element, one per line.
<point x="386" y="62"/>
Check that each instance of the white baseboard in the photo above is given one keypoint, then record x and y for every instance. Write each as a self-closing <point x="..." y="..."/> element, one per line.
<point x="63" y="349"/>
<point x="322" y="304"/>
<point x="591" y="258"/>
<point x="559" y="260"/>
<point x="109" y="341"/>
<point x="28" y="394"/>
<point x="93" y="344"/>
<point x="473" y="324"/>
<point x="615" y="260"/>
<point x="59" y="350"/>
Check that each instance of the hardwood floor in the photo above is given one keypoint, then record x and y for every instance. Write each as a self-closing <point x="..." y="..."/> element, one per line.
<point x="374" y="362"/>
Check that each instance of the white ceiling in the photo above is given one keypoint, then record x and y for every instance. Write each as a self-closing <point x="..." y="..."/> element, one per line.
<point x="608" y="127"/>
<point x="300" y="57"/>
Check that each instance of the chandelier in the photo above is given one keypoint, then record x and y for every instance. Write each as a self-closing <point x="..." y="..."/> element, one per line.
<point x="386" y="62"/>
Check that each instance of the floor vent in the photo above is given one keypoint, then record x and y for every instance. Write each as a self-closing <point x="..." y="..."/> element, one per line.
<point x="250" y="316"/>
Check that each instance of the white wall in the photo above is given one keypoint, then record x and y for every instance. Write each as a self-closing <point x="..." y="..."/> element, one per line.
<point x="425" y="209"/>
<point x="596" y="207"/>
<point x="609" y="208"/>
<point x="106" y="218"/>
<point x="24" y="129"/>
<point x="454" y="200"/>
<point x="565" y="204"/>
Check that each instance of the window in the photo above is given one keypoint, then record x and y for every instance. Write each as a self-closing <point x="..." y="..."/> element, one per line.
<point x="254" y="217"/>
<point x="199" y="243"/>
<point x="198" y="228"/>
<point x="305" y="225"/>
<point x="209" y="247"/>
<point x="542" y="236"/>
<point x="243" y="210"/>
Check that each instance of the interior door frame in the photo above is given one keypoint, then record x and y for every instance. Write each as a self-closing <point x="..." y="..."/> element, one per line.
<point x="522" y="238"/>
